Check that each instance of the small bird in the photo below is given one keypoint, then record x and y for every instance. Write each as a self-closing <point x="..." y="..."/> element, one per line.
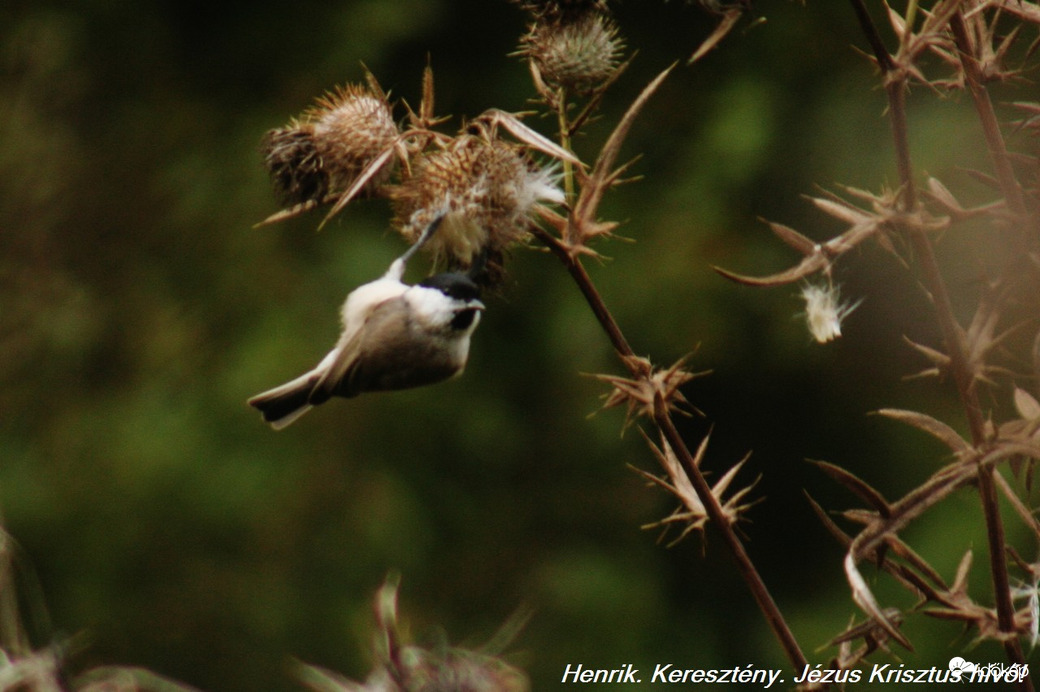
<point x="395" y="336"/>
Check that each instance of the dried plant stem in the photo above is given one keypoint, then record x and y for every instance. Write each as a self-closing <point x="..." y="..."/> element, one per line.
<point x="588" y="289"/>
<point x="896" y="87"/>
<point x="1005" y="174"/>
<point x="663" y="420"/>
<point x="1012" y="192"/>
<point x="953" y="335"/>
<point x="565" y="142"/>
<point x="896" y="90"/>
<point x="770" y="611"/>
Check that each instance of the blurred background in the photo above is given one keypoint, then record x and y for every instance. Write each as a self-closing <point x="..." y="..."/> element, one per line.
<point x="139" y="309"/>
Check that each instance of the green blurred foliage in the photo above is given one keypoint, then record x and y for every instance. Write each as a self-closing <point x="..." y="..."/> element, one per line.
<point x="139" y="309"/>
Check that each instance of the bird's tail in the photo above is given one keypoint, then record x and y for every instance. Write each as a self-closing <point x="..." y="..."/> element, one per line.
<point x="282" y="405"/>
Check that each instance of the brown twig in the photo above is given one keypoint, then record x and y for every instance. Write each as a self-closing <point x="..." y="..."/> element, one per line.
<point x="1005" y="174"/>
<point x="663" y="420"/>
<point x="1016" y="203"/>
<point x="758" y="588"/>
<point x="895" y="78"/>
<point x="577" y="271"/>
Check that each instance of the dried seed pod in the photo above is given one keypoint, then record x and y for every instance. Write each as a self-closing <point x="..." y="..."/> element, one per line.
<point x="322" y="153"/>
<point x="723" y="6"/>
<point x="577" y="55"/>
<point x="487" y="190"/>
<point x="560" y="10"/>
<point x="404" y="666"/>
<point x="294" y="164"/>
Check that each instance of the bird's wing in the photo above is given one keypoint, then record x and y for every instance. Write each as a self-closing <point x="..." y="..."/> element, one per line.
<point x="344" y="374"/>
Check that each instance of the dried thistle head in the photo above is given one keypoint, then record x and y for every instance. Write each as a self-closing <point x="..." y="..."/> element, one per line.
<point x="461" y="670"/>
<point x="323" y="151"/>
<point x="560" y="10"/>
<point x="722" y="6"/>
<point x="577" y="54"/>
<point x="351" y="127"/>
<point x="293" y="163"/>
<point x="405" y="667"/>
<point x="487" y="191"/>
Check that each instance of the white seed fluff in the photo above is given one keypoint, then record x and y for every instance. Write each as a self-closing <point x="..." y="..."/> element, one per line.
<point x="824" y="311"/>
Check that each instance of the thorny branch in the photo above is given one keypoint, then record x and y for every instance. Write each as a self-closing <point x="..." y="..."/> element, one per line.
<point x="895" y="75"/>
<point x="657" y="400"/>
<point x="1009" y="185"/>
<point x="964" y="35"/>
<point x="639" y="368"/>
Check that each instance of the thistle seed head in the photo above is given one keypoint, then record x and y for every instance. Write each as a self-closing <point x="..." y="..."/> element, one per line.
<point x="323" y="152"/>
<point x="293" y="162"/>
<point x="487" y="191"/>
<point x="351" y="127"/>
<point x="426" y="671"/>
<point x="577" y="55"/>
<point x="722" y="6"/>
<point x="560" y="10"/>
<point x="401" y="666"/>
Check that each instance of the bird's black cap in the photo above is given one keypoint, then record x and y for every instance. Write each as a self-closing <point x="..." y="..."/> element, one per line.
<point x="454" y="285"/>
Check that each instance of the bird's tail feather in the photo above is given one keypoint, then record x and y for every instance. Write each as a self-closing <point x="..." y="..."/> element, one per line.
<point x="282" y="405"/>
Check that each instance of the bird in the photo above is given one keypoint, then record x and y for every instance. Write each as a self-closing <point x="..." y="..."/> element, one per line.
<point x="395" y="336"/>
